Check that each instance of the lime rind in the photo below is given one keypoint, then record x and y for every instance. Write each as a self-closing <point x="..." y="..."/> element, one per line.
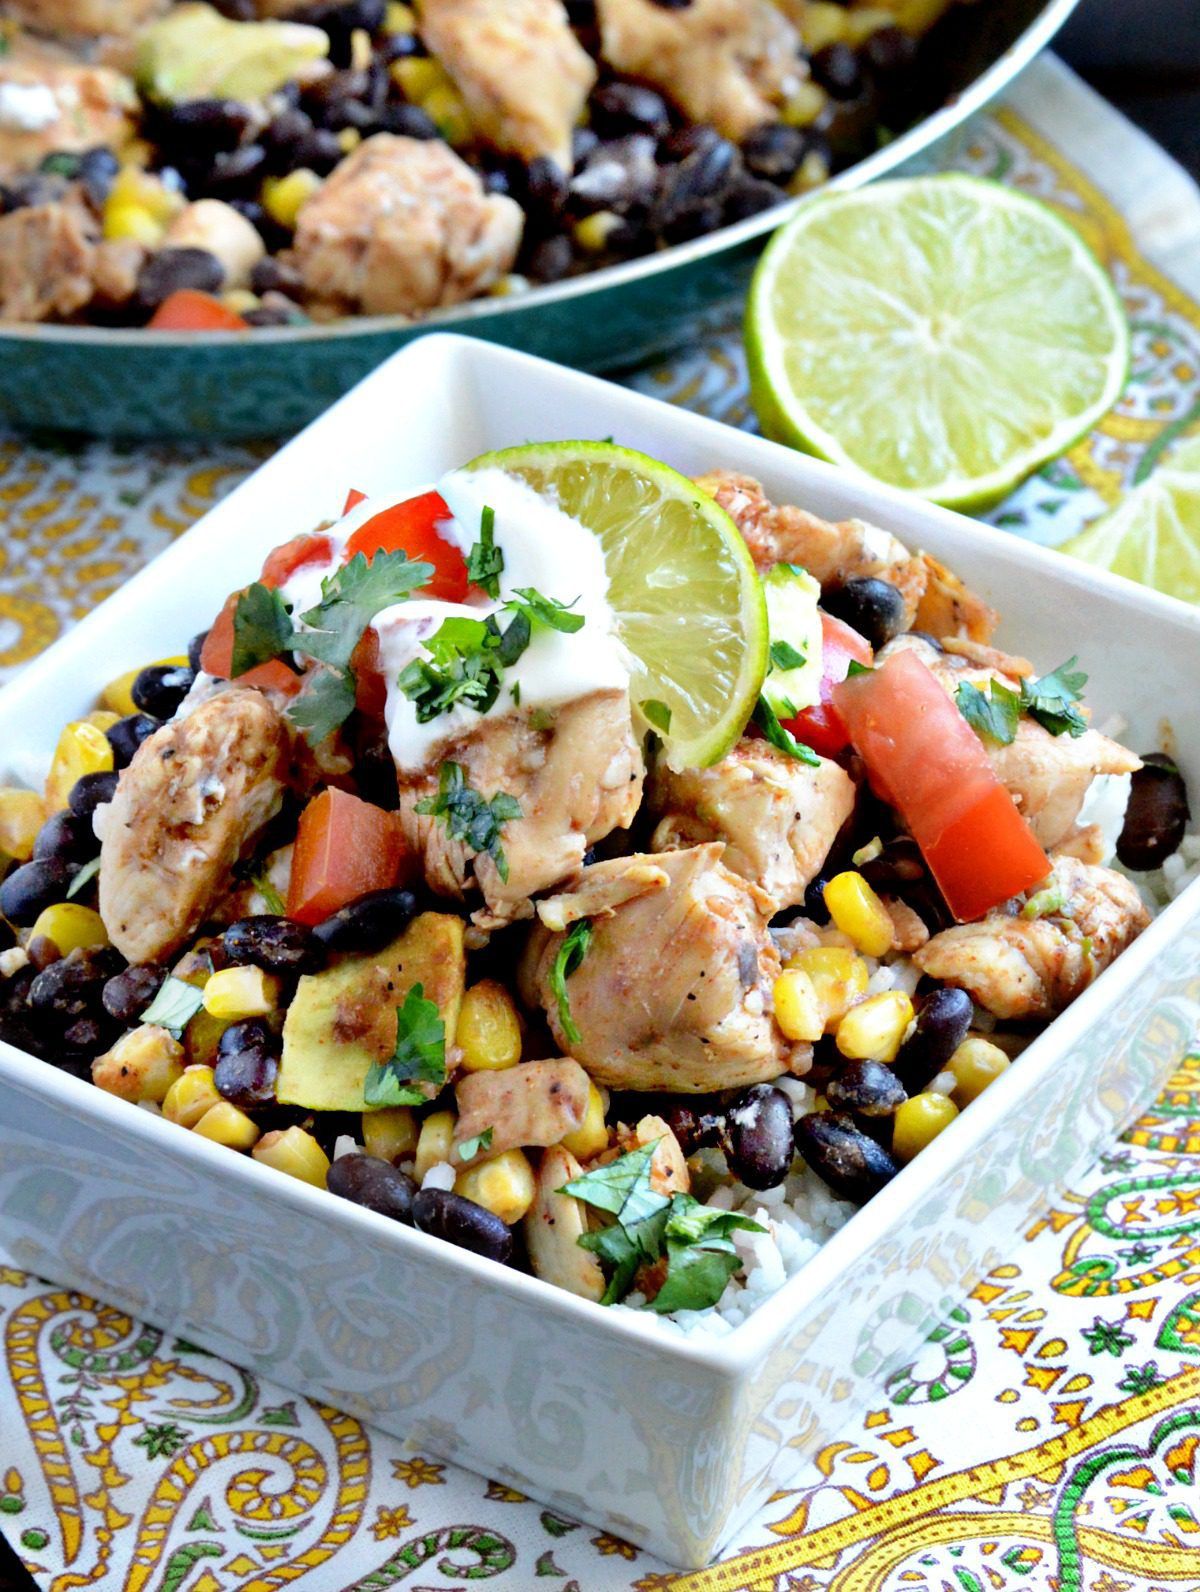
<point x="688" y="603"/>
<point x="853" y="373"/>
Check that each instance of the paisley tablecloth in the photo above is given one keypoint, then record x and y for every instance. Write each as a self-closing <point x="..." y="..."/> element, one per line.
<point x="1046" y="1439"/>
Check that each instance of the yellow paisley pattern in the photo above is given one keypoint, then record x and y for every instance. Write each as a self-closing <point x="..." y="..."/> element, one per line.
<point x="1046" y="1439"/>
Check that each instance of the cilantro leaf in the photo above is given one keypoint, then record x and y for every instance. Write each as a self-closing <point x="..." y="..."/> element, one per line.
<point x="1051" y="700"/>
<point x="419" y="1057"/>
<point x="470" y="1148"/>
<point x="785" y="656"/>
<point x="467" y="658"/>
<point x="83" y="878"/>
<point x="485" y="561"/>
<point x="858" y="668"/>
<point x="547" y="611"/>
<point x="325" y="702"/>
<point x="767" y="719"/>
<point x="571" y="952"/>
<point x="262" y="628"/>
<point x="174" y="1006"/>
<point x="274" y="901"/>
<point x="350" y="599"/>
<point x="993" y="716"/>
<point x="1046" y="903"/>
<point x="657" y="713"/>
<point x="469" y="816"/>
<point x="625" y="1247"/>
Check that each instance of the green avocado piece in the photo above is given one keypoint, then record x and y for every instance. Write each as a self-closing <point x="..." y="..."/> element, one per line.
<point x="196" y="53"/>
<point x="343" y="1019"/>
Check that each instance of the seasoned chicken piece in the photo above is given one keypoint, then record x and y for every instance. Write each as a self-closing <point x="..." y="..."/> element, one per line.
<point x="675" y="989"/>
<point x="188" y="806"/>
<point x="553" y="1227"/>
<point x="1017" y="967"/>
<point x="778" y="817"/>
<point x="577" y="777"/>
<point x="668" y="1165"/>
<point x="522" y="72"/>
<point x="909" y="932"/>
<point x="728" y="62"/>
<point x="1047" y="775"/>
<point x="403" y="226"/>
<point x="86" y="18"/>
<point x="50" y="103"/>
<point x="535" y="1103"/>
<point x="46" y="260"/>
<point x="947" y="608"/>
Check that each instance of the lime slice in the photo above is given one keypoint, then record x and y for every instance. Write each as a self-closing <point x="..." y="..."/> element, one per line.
<point x="944" y="334"/>
<point x="688" y="604"/>
<point x="1154" y="535"/>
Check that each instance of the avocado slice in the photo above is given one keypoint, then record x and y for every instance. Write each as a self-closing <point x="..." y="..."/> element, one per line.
<point x="344" y="1019"/>
<point x="196" y="53"/>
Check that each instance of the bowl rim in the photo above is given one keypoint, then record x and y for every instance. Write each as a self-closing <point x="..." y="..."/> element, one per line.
<point x="460" y="317"/>
<point x="735" y="1353"/>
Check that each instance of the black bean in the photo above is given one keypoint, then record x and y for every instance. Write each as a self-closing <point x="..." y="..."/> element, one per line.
<point x="275" y="944"/>
<point x="282" y="134"/>
<point x="246" y="1065"/>
<point x="545" y="189"/>
<point x="368" y="923"/>
<point x="170" y="270"/>
<point x="196" y="646"/>
<point x="618" y="108"/>
<point x="341" y="99"/>
<point x="549" y="259"/>
<point x="160" y="688"/>
<point x="341" y="21"/>
<point x="399" y="47"/>
<point x="775" y="151"/>
<point x="694" y="139"/>
<point x="873" y="607"/>
<point x="703" y="174"/>
<point x="74" y="984"/>
<point x="814" y="901"/>
<point x="319" y="151"/>
<point x="889" y="51"/>
<point x="376" y="1184"/>
<point x="835" y="68"/>
<point x="443" y="1214"/>
<point x="942" y="1024"/>
<point x="67" y="838"/>
<point x="584" y="142"/>
<point x="91" y="791"/>
<point x="42" y="951"/>
<point x="86" y="1035"/>
<point x="237" y="174"/>
<point x="203" y="126"/>
<point x="758" y="1136"/>
<point x="695" y="1121"/>
<point x="868" y="1088"/>
<point x="616" y="176"/>
<point x="853" y="1165"/>
<point x="127" y="734"/>
<point x="279" y="312"/>
<point x="28" y="890"/>
<point x="899" y="863"/>
<point x="277" y="276"/>
<point x="375" y="772"/>
<point x="749" y="196"/>
<point x="1157" y="816"/>
<point x="128" y="994"/>
<point x="408" y="121"/>
<point x="97" y="169"/>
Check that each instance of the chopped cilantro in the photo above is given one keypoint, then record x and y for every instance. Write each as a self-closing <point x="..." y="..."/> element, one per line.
<point x="515" y="693"/>
<point x="470" y="1148"/>
<point x="785" y="656"/>
<point x="467" y="658"/>
<point x="469" y="816"/>
<point x="174" y="1006"/>
<point x="419" y="1057"/>
<point x="271" y="896"/>
<point x="485" y="561"/>
<point x="994" y="715"/>
<point x="547" y="611"/>
<point x="858" y="668"/>
<point x="1046" y="903"/>
<point x="84" y="877"/>
<point x="658" y="714"/>
<point x="262" y="628"/>
<point x="767" y="719"/>
<point x="324" y="704"/>
<point x="1051" y="700"/>
<point x="350" y="599"/>
<point x="571" y="952"/>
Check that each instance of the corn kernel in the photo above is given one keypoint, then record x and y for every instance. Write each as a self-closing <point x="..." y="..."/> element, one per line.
<point x="875" y="1028"/>
<point x="71" y="926"/>
<point x="591" y="1136"/>
<point x="102" y="719"/>
<point x="190" y="1096"/>
<point x="814" y="170"/>
<point x="399" y="18"/>
<point x="390" y="1133"/>
<point x="433" y="1142"/>
<point x="225" y="1124"/>
<point x="797" y="1010"/>
<point x="859" y="912"/>
<point x="283" y="197"/>
<point x="448" y="109"/>
<point x="915" y="16"/>
<point x="349" y="138"/>
<point x="504" y="1185"/>
<point x="142" y="1065"/>
<point x="919" y="1121"/>
<point x="417" y="74"/>
<point x="22" y="814"/>
<point x="804" y="105"/>
<point x="488" y="1032"/>
<point x="510" y="285"/>
<point x="838" y="975"/>
<point x="132" y="223"/>
<point x="240" y="300"/>
<point x="238" y="992"/>
<point x="117" y="695"/>
<point x="133" y="186"/>
<point x="295" y="1152"/>
<point x="202" y="1036"/>
<point x="865" y="20"/>
<point x="82" y="749"/>
<point x="593" y="232"/>
<point x="975" y="1064"/>
<point x="824" y="23"/>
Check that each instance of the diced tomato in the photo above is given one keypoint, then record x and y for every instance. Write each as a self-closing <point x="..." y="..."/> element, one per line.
<point x="216" y="658"/>
<point x="925" y="760"/>
<point x="310" y="547"/>
<point x="344" y="847"/>
<point x="370" y="685"/>
<point x="821" y="726"/>
<point x="411" y="527"/>
<point x="353" y="498"/>
<point x="188" y="310"/>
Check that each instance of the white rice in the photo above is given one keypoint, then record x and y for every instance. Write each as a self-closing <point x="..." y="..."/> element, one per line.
<point x="440" y="1175"/>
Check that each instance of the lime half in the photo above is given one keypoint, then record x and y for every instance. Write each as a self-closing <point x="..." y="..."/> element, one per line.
<point x="943" y="334"/>
<point x="1154" y="535"/>
<point x="688" y="604"/>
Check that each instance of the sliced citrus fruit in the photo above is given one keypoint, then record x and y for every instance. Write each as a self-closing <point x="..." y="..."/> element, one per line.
<point x="689" y="606"/>
<point x="943" y="334"/>
<point x="1154" y="535"/>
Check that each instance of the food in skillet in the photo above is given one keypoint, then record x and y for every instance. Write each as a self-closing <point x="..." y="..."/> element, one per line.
<point x="576" y="852"/>
<point x="267" y="161"/>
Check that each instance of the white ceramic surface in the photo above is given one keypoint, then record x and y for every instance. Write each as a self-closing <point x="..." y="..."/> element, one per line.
<point x="671" y="1442"/>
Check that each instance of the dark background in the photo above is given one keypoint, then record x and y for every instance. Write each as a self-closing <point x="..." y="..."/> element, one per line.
<point x="1143" y="55"/>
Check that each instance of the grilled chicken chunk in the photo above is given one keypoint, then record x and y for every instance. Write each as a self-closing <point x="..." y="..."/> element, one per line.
<point x="522" y="72"/>
<point x="187" y="807"/>
<point x="555" y="1224"/>
<point x="834" y="551"/>
<point x="674" y="992"/>
<point x="577" y="779"/>
<point x="778" y="817"/>
<point x="728" y="62"/>
<point x="535" y="1103"/>
<point x="46" y="256"/>
<point x="1016" y="967"/>
<point x="400" y="227"/>
<point x="49" y="103"/>
<point x="86" y="18"/>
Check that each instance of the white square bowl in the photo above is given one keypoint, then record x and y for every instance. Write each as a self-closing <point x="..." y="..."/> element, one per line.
<point x="612" y="1417"/>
